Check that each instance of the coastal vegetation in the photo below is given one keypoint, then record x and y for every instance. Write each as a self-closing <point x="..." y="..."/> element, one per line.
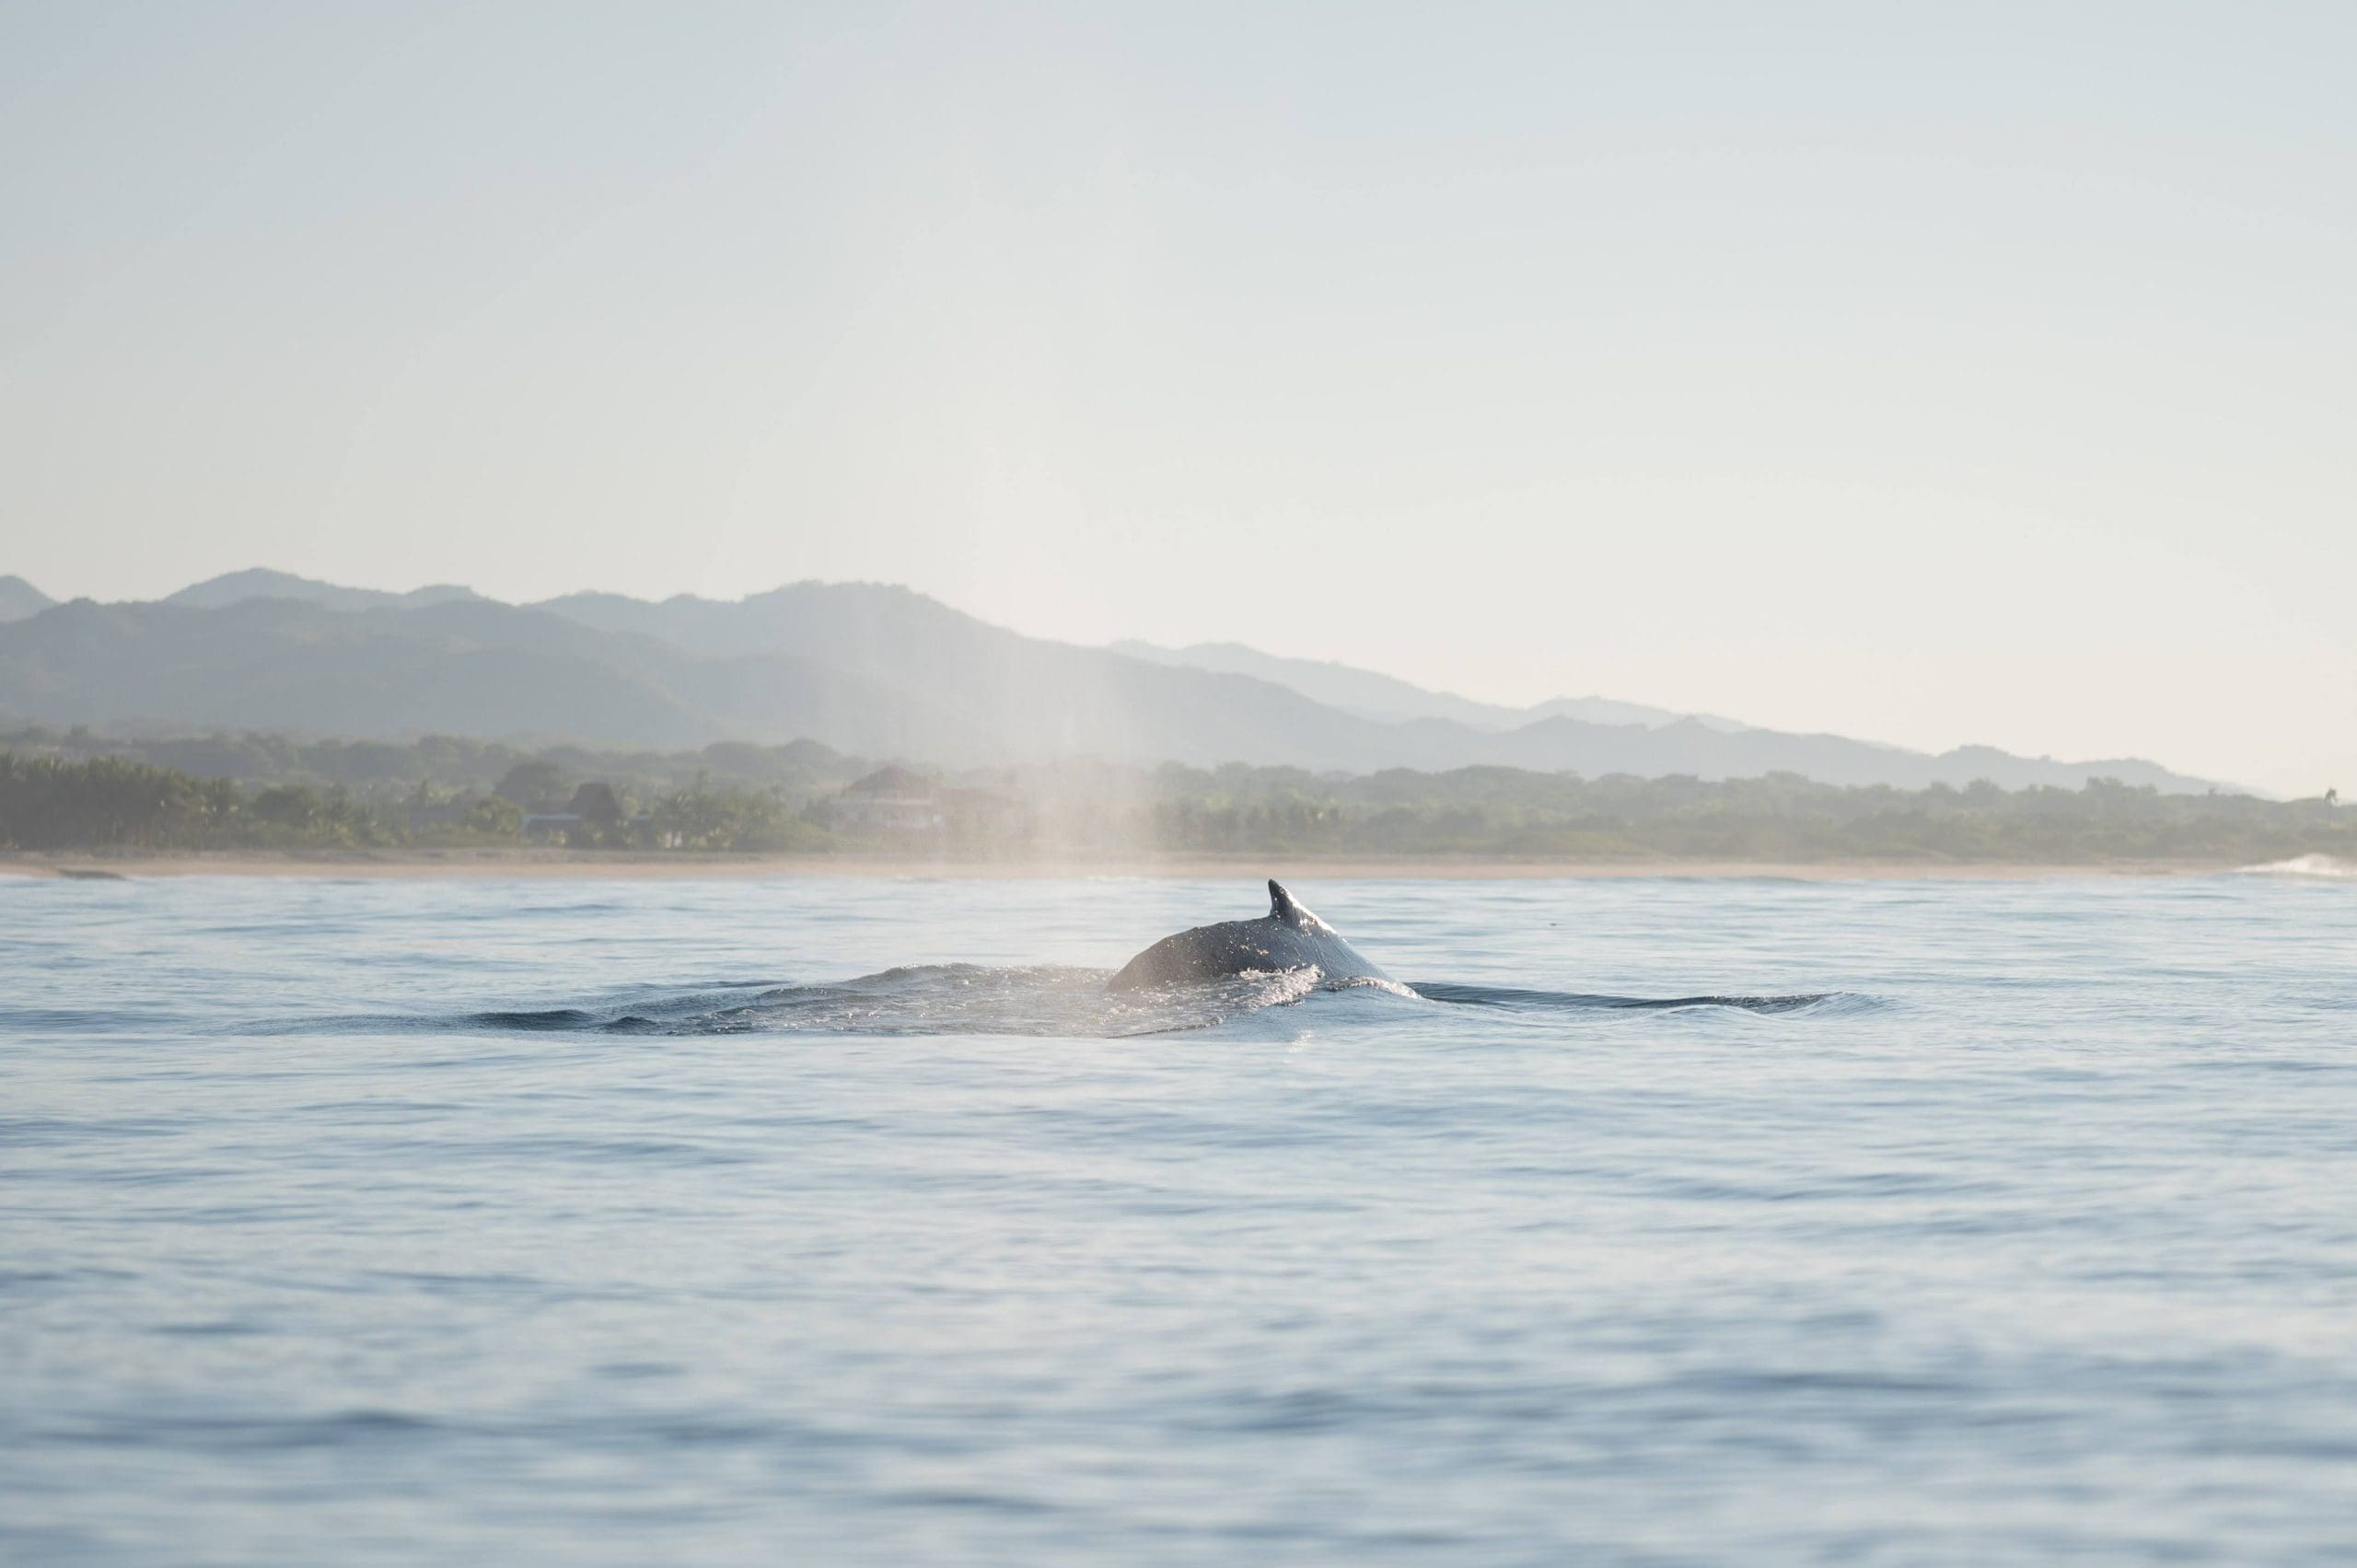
<point x="72" y="792"/>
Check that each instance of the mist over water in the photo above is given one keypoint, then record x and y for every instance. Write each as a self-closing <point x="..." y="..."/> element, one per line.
<point x="849" y="1221"/>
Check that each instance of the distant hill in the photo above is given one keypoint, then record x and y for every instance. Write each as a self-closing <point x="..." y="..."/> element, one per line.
<point x="1376" y="696"/>
<point x="1032" y="699"/>
<point x="465" y="666"/>
<point x="1605" y="710"/>
<point x="20" y="599"/>
<point x="870" y="670"/>
<point x="235" y="588"/>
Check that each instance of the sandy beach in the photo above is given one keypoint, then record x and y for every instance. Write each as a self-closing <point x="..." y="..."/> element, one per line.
<point x="557" y="865"/>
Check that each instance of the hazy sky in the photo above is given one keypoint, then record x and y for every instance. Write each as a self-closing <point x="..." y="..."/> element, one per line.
<point x="1975" y="373"/>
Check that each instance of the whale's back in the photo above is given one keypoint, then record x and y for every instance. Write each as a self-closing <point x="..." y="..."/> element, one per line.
<point x="1288" y="938"/>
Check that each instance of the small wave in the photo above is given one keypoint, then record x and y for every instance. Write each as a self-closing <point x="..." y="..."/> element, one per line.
<point x="1517" y="1000"/>
<point x="549" y="1018"/>
<point x="2330" y="867"/>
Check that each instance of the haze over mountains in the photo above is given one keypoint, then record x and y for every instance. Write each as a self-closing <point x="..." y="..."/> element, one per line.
<point x="878" y="670"/>
<point x="1376" y="696"/>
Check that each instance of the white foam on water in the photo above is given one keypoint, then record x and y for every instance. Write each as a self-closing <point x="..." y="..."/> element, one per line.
<point x="2324" y="865"/>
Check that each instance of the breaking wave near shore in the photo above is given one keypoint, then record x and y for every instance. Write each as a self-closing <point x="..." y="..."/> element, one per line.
<point x="2325" y="867"/>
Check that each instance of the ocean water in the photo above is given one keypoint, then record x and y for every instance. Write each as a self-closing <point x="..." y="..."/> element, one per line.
<point x="846" y="1221"/>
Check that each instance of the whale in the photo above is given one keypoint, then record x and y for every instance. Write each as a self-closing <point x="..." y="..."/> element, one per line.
<point x="1288" y="938"/>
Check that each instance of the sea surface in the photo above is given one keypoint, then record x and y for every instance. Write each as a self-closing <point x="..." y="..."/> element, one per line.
<point x="846" y="1221"/>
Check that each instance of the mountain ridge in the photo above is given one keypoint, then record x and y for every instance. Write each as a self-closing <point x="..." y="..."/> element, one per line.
<point x="1373" y="694"/>
<point x="872" y="668"/>
<point x="261" y="582"/>
<point x="20" y="599"/>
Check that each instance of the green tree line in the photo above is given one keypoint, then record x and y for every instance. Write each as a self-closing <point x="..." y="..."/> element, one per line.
<point x="50" y="804"/>
<point x="1507" y="812"/>
<point x="807" y="801"/>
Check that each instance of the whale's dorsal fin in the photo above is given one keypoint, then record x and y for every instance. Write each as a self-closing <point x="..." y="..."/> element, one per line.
<point x="1281" y="907"/>
<point x="1280" y="904"/>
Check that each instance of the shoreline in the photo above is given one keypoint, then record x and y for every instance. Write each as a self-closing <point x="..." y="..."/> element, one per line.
<point x="592" y="864"/>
